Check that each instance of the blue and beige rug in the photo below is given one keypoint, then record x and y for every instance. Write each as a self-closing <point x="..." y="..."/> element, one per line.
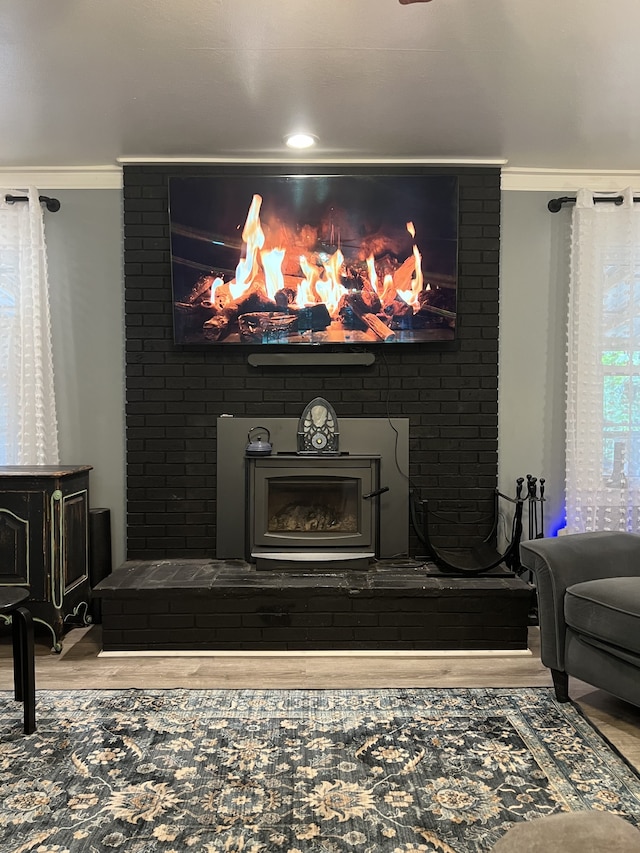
<point x="297" y="771"/>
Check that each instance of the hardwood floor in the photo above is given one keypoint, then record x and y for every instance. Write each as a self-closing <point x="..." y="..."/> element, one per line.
<point x="79" y="666"/>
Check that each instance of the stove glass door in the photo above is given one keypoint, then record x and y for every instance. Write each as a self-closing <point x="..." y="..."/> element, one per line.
<point x="313" y="505"/>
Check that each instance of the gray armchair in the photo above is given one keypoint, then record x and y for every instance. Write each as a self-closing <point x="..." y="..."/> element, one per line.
<point x="588" y="588"/>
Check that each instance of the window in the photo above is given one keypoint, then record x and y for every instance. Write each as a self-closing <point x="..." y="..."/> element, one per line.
<point x="621" y="375"/>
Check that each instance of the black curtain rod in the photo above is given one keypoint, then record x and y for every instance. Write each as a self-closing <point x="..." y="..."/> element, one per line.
<point x="555" y="205"/>
<point x="52" y="203"/>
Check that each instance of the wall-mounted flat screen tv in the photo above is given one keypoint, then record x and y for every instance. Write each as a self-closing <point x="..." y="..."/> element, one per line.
<point x="314" y="259"/>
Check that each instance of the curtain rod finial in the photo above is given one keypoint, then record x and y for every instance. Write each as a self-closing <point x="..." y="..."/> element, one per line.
<point x="52" y="204"/>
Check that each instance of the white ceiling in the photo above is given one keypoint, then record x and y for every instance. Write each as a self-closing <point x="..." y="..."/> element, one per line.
<point x="549" y="84"/>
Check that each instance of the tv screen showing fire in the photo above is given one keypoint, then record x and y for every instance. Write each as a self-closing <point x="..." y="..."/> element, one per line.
<point x="314" y="259"/>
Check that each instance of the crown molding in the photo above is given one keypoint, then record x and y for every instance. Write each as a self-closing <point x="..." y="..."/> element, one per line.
<point x="559" y="180"/>
<point x="310" y="161"/>
<point x="63" y="177"/>
<point x="512" y="178"/>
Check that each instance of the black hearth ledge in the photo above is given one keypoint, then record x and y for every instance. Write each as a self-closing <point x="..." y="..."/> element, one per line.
<point x="212" y="574"/>
<point x="206" y="604"/>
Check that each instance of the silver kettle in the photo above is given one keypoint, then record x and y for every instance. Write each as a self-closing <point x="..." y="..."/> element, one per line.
<point x="259" y="445"/>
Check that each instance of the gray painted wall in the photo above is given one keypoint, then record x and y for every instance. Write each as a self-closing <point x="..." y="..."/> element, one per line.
<point x="533" y="312"/>
<point x="84" y="247"/>
<point x="86" y="272"/>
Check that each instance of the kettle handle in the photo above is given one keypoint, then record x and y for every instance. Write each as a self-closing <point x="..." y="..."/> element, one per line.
<point x="253" y="429"/>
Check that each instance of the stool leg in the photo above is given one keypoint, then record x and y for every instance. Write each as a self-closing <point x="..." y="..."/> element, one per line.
<point x="18" y="655"/>
<point x="24" y="665"/>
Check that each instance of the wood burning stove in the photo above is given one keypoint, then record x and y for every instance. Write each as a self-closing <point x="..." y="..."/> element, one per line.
<point x="304" y="510"/>
<point x="380" y="438"/>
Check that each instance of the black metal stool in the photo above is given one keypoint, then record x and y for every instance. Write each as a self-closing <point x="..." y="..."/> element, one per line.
<point x="24" y="681"/>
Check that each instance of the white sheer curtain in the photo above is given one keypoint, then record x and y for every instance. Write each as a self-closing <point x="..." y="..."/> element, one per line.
<point x="28" y="423"/>
<point x="603" y="380"/>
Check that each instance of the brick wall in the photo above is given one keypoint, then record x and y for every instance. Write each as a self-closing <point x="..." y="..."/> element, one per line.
<point x="174" y="394"/>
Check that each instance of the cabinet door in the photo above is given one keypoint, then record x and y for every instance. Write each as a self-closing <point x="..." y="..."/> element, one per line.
<point x="75" y="545"/>
<point x="23" y="522"/>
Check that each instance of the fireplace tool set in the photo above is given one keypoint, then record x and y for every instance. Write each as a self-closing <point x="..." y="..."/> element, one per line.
<point x="534" y="500"/>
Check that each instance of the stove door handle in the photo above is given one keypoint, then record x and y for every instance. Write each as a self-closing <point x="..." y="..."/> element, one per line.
<point x="376" y="493"/>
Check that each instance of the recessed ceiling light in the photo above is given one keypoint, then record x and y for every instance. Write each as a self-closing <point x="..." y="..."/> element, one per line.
<point x="300" y="140"/>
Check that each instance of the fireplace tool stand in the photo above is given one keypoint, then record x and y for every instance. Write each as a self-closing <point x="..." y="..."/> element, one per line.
<point x="511" y="555"/>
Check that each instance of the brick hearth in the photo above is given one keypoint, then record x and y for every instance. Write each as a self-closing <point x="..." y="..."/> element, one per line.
<point x="199" y="604"/>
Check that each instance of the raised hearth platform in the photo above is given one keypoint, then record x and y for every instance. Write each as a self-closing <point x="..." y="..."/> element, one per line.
<point x="228" y="605"/>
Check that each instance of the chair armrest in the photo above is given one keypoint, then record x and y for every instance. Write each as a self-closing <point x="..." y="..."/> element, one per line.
<point x="560" y="562"/>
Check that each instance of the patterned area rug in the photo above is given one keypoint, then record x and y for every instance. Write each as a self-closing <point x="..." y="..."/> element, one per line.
<point x="297" y="771"/>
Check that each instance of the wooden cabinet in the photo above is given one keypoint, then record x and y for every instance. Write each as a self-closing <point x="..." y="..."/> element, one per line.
<point x="44" y="541"/>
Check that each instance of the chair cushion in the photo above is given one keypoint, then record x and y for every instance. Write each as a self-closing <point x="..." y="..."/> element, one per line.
<point x="607" y="609"/>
